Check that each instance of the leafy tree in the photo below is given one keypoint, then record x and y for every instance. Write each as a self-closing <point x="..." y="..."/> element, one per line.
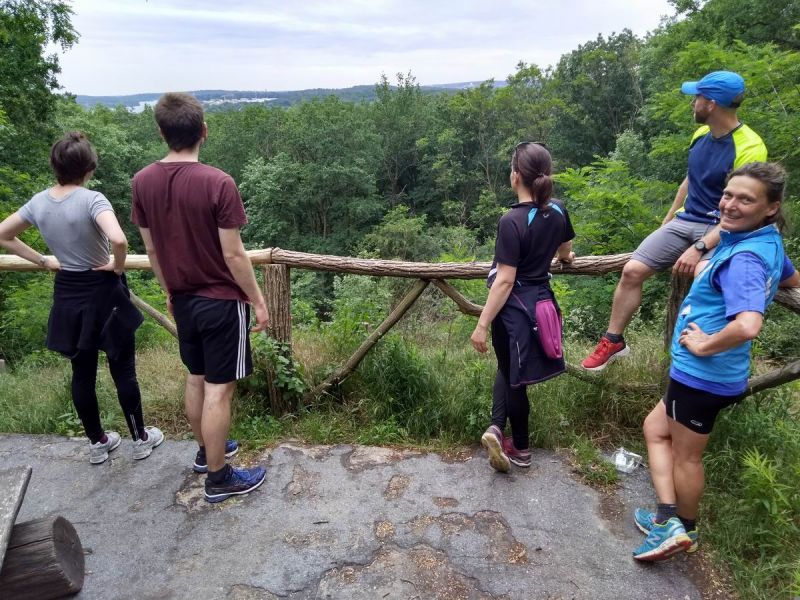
<point x="28" y="76"/>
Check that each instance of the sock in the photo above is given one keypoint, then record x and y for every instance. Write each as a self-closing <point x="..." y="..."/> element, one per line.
<point x="664" y="512"/>
<point x="688" y="524"/>
<point x="101" y="440"/>
<point x="219" y="476"/>
<point x="616" y="338"/>
<point x="143" y="435"/>
<point x="202" y="451"/>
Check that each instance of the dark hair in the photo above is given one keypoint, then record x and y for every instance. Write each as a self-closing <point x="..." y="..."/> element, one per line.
<point x="180" y="118"/>
<point x="535" y="167"/>
<point x="773" y="177"/>
<point x="72" y="157"/>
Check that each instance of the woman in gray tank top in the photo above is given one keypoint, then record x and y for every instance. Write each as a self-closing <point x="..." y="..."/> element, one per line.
<point x="91" y="310"/>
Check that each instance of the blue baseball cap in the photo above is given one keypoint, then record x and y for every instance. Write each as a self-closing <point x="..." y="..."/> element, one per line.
<point x="723" y="87"/>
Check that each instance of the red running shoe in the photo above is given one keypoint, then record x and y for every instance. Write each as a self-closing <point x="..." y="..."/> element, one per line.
<point x="604" y="353"/>
<point x="521" y="458"/>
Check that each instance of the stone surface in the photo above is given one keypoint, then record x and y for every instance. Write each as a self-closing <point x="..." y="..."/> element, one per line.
<point x="345" y="522"/>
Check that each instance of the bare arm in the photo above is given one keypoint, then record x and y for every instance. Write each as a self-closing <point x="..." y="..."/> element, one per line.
<point x="687" y="262"/>
<point x="10" y="228"/>
<point x="498" y="295"/>
<point x="107" y="221"/>
<point x="680" y="196"/>
<point x="744" y="327"/>
<point x="565" y="253"/>
<point x="792" y="281"/>
<point x="242" y="270"/>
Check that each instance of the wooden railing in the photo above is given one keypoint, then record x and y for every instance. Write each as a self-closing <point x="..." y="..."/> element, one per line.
<point x="277" y="263"/>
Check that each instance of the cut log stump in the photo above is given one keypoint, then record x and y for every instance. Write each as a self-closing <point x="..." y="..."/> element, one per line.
<point x="44" y="560"/>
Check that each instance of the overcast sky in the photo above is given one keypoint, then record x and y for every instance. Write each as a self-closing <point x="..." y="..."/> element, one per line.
<point x="132" y="46"/>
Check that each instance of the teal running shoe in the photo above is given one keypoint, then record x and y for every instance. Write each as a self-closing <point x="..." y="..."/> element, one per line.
<point x="645" y="520"/>
<point x="663" y="541"/>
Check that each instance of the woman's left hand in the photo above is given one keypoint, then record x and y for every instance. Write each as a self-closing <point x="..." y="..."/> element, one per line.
<point x="478" y="339"/>
<point x="694" y="339"/>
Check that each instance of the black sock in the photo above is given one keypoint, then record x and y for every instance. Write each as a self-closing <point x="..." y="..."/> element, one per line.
<point x="219" y="476"/>
<point x="102" y="439"/>
<point x="142" y="433"/>
<point x="614" y="337"/>
<point x="664" y="512"/>
<point x="688" y="524"/>
<point x="202" y="451"/>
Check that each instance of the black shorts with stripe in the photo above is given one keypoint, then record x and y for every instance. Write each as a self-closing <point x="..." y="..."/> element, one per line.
<point x="693" y="408"/>
<point x="213" y="337"/>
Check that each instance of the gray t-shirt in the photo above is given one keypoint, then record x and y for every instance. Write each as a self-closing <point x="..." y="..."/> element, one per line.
<point x="69" y="227"/>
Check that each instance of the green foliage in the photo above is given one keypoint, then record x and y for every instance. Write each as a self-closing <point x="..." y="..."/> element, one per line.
<point x="23" y="322"/>
<point x="753" y="502"/>
<point x="28" y="77"/>
<point x="614" y="210"/>
<point x="272" y="361"/>
<point x="402" y="237"/>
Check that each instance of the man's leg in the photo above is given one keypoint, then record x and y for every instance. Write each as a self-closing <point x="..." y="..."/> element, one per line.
<point x="193" y="397"/>
<point x="216" y="421"/>
<point x="628" y="295"/>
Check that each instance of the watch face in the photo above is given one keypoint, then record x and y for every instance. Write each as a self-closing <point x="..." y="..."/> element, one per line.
<point x="700" y="245"/>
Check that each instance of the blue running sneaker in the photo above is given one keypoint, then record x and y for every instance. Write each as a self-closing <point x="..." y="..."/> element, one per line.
<point x="201" y="466"/>
<point x="663" y="540"/>
<point x="238" y="482"/>
<point x="645" y="520"/>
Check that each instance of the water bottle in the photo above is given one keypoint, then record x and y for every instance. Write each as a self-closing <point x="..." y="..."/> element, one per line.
<point x="625" y="461"/>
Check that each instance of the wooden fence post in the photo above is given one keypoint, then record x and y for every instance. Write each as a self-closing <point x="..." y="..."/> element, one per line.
<point x="278" y="295"/>
<point x="679" y="287"/>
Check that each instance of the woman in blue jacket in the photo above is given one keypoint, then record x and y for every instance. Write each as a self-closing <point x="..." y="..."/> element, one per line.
<point x="710" y="352"/>
<point x="521" y="309"/>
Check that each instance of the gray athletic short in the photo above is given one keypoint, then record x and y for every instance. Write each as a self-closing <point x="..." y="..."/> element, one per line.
<point x="664" y="246"/>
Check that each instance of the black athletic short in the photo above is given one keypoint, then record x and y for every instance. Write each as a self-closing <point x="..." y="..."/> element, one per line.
<point x="696" y="409"/>
<point x="213" y="337"/>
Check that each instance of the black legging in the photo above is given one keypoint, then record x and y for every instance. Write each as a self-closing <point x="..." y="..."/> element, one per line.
<point x="507" y="402"/>
<point x="84" y="395"/>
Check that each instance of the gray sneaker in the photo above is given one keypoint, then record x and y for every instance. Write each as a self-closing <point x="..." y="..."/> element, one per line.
<point x="144" y="448"/>
<point x="98" y="453"/>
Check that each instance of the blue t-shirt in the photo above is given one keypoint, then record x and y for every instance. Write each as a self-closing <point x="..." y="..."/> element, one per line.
<point x="743" y="283"/>
<point x="710" y="161"/>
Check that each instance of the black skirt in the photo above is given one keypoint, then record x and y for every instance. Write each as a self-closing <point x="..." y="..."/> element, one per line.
<point x="92" y="310"/>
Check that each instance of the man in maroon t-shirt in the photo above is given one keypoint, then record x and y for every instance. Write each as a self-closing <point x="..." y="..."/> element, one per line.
<point x="189" y="215"/>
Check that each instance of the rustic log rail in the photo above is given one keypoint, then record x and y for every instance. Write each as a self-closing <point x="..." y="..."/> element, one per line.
<point x="425" y="273"/>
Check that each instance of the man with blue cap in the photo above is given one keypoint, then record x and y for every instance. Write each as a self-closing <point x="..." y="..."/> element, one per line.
<point x="689" y="230"/>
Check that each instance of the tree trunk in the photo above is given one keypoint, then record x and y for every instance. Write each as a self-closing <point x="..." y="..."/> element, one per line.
<point x="44" y="560"/>
<point x="278" y="295"/>
<point x="679" y="287"/>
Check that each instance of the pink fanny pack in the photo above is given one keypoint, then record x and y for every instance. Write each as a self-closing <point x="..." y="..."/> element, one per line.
<point x="549" y="325"/>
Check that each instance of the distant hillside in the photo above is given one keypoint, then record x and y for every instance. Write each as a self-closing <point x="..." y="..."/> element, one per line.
<point x="224" y="99"/>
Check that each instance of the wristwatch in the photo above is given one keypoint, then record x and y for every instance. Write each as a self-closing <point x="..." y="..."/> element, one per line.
<point x="700" y="245"/>
<point x="42" y="261"/>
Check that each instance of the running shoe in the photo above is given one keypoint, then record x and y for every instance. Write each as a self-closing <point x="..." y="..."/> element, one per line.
<point x="645" y="520"/>
<point x="492" y="440"/>
<point x="663" y="541"/>
<point x="238" y="482"/>
<point x="604" y="353"/>
<point x="521" y="458"/>
<point x="144" y="448"/>
<point x="98" y="452"/>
